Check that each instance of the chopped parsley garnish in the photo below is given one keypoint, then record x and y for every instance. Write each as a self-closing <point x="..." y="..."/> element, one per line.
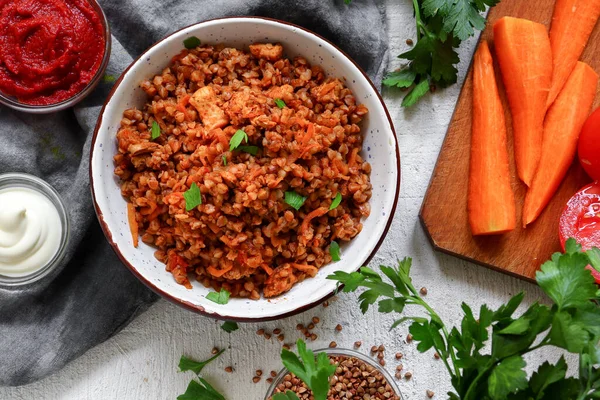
<point x="224" y="160"/>
<point x="155" y="130"/>
<point x="336" y="201"/>
<point x="334" y="251"/>
<point x="109" y="78"/>
<point x="249" y="149"/>
<point x="294" y="200"/>
<point x="191" y="43"/>
<point x="198" y="389"/>
<point x="220" y="297"/>
<point x="192" y="197"/>
<point x="230" y="326"/>
<point x="280" y="103"/>
<point x="237" y="139"/>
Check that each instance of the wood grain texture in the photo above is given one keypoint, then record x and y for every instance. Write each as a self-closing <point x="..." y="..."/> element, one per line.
<point x="444" y="210"/>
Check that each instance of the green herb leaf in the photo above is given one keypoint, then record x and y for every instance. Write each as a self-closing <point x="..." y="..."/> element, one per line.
<point x="294" y="200"/>
<point x="237" y="139"/>
<point x="109" y="78"/>
<point x="314" y="372"/>
<point x="507" y="377"/>
<point x="155" y="130"/>
<point x="392" y="305"/>
<point x="415" y="94"/>
<point x="192" y="197"/>
<point x="402" y="78"/>
<point x="191" y="43"/>
<point x="196" y="391"/>
<point x="249" y="149"/>
<point x="568" y="334"/>
<point x="566" y="281"/>
<point x="220" y="297"/>
<point x="280" y="103"/>
<point x="546" y="375"/>
<point x="289" y="395"/>
<point x="230" y="326"/>
<point x="187" y="364"/>
<point x="336" y="201"/>
<point x="224" y="157"/>
<point x="334" y="251"/>
<point x="351" y="281"/>
<point x="347" y="1"/>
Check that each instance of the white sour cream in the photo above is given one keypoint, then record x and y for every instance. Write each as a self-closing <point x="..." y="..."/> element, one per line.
<point x="30" y="231"/>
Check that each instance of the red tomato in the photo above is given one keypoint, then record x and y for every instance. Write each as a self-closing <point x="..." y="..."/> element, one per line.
<point x="581" y="220"/>
<point x="589" y="145"/>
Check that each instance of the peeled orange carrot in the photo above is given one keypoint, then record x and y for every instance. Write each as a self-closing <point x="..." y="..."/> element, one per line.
<point x="133" y="225"/>
<point x="525" y="58"/>
<point x="572" y="24"/>
<point x="491" y="201"/>
<point x="563" y="124"/>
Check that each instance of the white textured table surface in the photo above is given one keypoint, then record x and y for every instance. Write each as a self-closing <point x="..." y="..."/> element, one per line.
<point x="141" y="361"/>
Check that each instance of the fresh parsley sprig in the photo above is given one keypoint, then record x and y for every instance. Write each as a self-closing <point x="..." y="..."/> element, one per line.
<point x="572" y="323"/>
<point x="313" y="371"/>
<point x="441" y="26"/>
<point x="199" y="389"/>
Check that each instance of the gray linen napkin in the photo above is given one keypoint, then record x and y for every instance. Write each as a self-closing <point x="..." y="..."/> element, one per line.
<point x="93" y="296"/>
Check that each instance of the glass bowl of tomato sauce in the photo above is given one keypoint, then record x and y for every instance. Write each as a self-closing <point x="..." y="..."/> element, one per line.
<point x="53" y="53"/>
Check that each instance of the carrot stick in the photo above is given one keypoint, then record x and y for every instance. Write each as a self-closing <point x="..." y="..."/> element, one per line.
<point x="310" y="216"/>
<point x="133" y="225"/>
<point x="491" y="201"/>
<point x="525" y="58"/>
<point x="217" y="273"/>
<point x="309" y="269"/>
<point x="561" y="133"/>
<point x="267" y="269"/>
<point x="572" y="24"/>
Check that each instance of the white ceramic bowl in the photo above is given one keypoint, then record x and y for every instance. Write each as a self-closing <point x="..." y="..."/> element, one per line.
<point x="380" y="149"/>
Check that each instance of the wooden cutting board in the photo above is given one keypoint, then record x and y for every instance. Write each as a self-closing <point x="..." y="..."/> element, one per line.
<point x="444" y="210"/>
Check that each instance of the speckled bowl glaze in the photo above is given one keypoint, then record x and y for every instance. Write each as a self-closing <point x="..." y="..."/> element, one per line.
<point x="380" y="149"/>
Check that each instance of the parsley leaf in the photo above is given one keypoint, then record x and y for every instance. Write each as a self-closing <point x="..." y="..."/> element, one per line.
<point x="546" y="375"/>
<point x="230" y="326"/>
<point x="294" y="200"/>
<point x="566" y="281"/>
<point x="441" y="27"/>
<point x="197" y="391"/>
<point x="237" y="139"/>
<point x="314" y="372"/>
<point x="401" y="78"/>
<point x="280" y="103"/>
<point x="289" y="395"/>
<point x="336" y="201"/>
<point x="220" y="297"/>
<point x="187" y="364"/>
<point x="191" y="43"/>
<point x="334" y="251"/>
<point x="109" y="78"/>
<point x="249" y="149"/>
<point x="415" y="94"/>
<point x="572" y="323"/>
<point x="155" y="130"/>
<point x="568" y="334"/>
<point x="192" y="197"/>
<point x="507" y="377"/>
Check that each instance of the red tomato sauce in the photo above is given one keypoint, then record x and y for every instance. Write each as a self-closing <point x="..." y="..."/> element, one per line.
<point x="49" y="49"/>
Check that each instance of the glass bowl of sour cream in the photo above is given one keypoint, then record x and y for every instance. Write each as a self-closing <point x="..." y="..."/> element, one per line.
<point x="34" y="229"/>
